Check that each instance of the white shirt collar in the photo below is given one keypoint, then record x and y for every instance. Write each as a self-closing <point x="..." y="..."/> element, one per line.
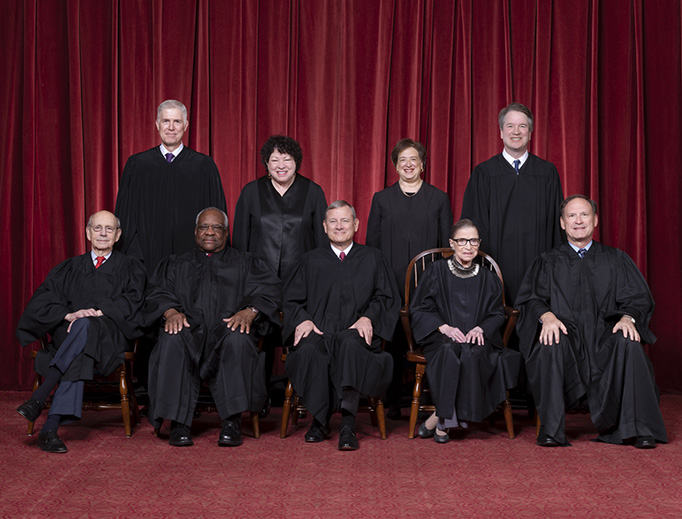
<point x="338" y="252"/>
<point x="586" y="247"/>
<point x="175" y="153"/>
<point x="93" y="256"/>
<point x="511" y="159"/>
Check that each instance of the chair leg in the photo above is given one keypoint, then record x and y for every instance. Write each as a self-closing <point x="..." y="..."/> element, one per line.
<point x="299" y="413"/>
<point x="133" y="397"/>
<point x="125" y="401"/>
<point x="416" y="395"/>
<point x="380" y="417"/>
<point x="286" y="409"/>
<point x="373" y="411"/>
<point x="36" y="384"/>
<point x="256" y="424"/>
<point x="508" y="417"/>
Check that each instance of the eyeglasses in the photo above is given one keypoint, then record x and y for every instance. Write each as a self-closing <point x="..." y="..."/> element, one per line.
<point x="107" y="229"/>
<point x="475" y="242"/>
<point x="218" y="229"/>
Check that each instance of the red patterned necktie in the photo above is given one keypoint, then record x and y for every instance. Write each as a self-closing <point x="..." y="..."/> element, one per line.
<point x="99" y="260"/>
<point x="342" y="256"/>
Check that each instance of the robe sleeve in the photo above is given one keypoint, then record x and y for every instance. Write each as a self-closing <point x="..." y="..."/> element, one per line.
<point x="475" y="204"/>
<point x="125" y="309"/>
<point x="263" y="290"/>
<point x="319" y="216"/>
<point x="241" y="227"/>
<point x="533" y="300"/>
<point x="373" y="237"/>
<point x="47" y="307"/>
<point x="445" y="222"/>
<point x="162" y="291"/>
<point x="384" y="305"/>
<point x="125" y="210"/>
<point x="296" y="296"/>
<point x="491" y="310"/>
<point x="425" y="311"/>
<point x="556" y="195"/>
<point x="633" y="297"/>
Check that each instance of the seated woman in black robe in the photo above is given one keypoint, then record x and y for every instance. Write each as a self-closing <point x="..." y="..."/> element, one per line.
<point x="456" y="317"/>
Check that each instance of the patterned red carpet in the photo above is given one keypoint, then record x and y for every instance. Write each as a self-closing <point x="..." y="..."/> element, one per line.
<point x="480" y="473"/>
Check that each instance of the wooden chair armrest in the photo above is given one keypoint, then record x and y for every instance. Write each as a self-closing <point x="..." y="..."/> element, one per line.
<point x="512" y="316"/>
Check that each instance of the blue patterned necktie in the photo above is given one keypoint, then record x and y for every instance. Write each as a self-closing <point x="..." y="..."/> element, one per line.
<point x="582" y="252"/>
<point x="517" y="163"/>
<point x="169" y="157"/>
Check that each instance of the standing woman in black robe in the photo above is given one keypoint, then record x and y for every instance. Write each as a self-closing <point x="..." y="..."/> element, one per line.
<point x="279" y="216"/>
<point x="456" y="315"/>
<point x="406" y="218"/>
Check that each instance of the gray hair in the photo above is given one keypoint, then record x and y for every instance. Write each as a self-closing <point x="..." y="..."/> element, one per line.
<point x="338" y="205"/>
<point x="516" y="107"/>
<point x="170" y="104"/>
<point x="118" y="221"/>
<point x="225" y="221"/>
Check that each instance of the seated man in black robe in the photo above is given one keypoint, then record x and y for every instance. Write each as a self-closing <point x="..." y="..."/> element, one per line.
<point x="215" y="302"/>
<point x="91" y="306"/>
<point x="339" y="303"/>
<point x="592" y="307"/>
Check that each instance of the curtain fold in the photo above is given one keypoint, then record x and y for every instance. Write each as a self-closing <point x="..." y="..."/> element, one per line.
<point x="348" y="79"/>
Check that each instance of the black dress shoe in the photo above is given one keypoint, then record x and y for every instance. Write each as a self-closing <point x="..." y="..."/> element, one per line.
<point x="645" y="442"/>
<point x="30" y="410"/>
<point x="230" y="434"/>
<point x="547" y="441"/>
<point x="425" y="432"/>
<point x="317" y="433"/>
<point x="180" y="436"/>
<point x="347" y="439"/>
<point x="441" y="438"/>
<point x="49" y="441"/>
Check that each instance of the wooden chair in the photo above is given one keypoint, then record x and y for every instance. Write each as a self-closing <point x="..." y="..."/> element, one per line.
<point x="292" y="402"/>
<point x="414" y="354"/>
<point x="128" y="401"/>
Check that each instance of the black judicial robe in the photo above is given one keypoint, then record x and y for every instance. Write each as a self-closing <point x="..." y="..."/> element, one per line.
<point x="158" y="202"/>
<point x="116" y="288"/>
<point x="517" y="215"/>
<point x="402" y="226"/>
<point x="279" y="229"/>
<point x="470" y="378"/>
<point x="334" y="294"/>
<point x="208" y="289"/>
<point x="590" y="296"/>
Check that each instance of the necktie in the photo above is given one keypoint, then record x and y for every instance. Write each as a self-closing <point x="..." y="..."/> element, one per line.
<point x="517" y="163"/>
<point x="342" y="256"/>
<point x="169" y="157"/>
<point x="582" y="252"/>
<point x="99" y="260"/>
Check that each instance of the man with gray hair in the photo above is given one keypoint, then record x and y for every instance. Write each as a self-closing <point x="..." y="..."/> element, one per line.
<point x="339" y="303"/>
<point x="91" y="307"/>
<point x="215" y="303"/>
<point x="163" y="188"/>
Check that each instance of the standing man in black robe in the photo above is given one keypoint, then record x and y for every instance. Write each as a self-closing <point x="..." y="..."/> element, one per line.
<point x="162" y="189"/>
<point x="585" y="310"/>
<point x="514" y="198"/>
<point x="215" y="302"/>
<point x="339" y="303"/>
<point x="91" y="306"/>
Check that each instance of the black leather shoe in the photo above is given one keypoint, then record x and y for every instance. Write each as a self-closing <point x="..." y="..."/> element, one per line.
<point x="50" y="442"/>
<point x="180" y="436"/>
<point x="547" y="441"/>
<point x="230" y="434"/>
<point x="425" y="432"/>
<point x="30" y="410"/>
<point x="347" y="439"/>
<point x="317" y="433"/>
<point x="645" y="442"/>
<point x="441" y="438"/>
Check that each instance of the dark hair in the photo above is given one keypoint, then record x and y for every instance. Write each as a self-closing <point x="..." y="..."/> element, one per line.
<point x="403" y="144"/>
<point x="338" y="205"/>
<point x="573" y="197"/>
<point x="516" y="107"/>
<point x="283" y="144"/>
<point x="462" y="224"/>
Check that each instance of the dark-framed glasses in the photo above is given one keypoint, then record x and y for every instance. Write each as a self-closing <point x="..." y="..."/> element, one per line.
<point x="218" y="229"/>
<point x="475" y="242"/>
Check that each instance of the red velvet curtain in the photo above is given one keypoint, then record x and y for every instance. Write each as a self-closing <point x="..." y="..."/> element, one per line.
<point x="347" y="78"/>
